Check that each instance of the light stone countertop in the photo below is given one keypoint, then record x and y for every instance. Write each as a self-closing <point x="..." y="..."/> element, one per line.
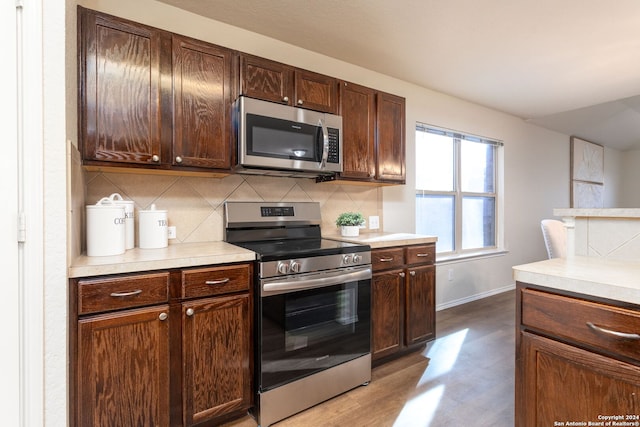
<point x="598" y="212"/>
<point x="384" y="240"/>
<point x="174" y="256"/>
<point x="613" y="279"/>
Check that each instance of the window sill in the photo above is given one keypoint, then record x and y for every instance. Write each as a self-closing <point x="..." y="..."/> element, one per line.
<point x="469" y="256"/>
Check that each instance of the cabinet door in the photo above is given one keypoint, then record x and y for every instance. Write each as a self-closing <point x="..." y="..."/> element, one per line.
<point x="120" y="90"/>
<point x="387" y="290"/>
<point x="420" y="304"/>
<point x="316" y="91"/>
<point x="123" y="368"/>
<point x="216" y="358"/>
<point x="202" y="104"/>
<point x="357" y="108"/>
<point x="565" y="383"/>
<point x="390" y="134"/>
<point x="267" y="80"/>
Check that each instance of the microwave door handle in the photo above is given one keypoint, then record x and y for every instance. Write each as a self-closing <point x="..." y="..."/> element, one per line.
<point x="325" y="144"/>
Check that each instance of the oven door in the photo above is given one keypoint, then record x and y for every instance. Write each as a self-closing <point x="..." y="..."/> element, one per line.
<point x="311" y="322"/>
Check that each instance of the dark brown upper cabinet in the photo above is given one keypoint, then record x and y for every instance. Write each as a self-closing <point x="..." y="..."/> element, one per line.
<point x="152" y="99"/>
<point x="264" y="79"/>
<point x="121" y="93"/>
<point x="390" y="138"/>
<point x="276" y="82"/>
<point x="358" y="111"/>
<point x="373" y="135"/>
<point x="201" y="104"/>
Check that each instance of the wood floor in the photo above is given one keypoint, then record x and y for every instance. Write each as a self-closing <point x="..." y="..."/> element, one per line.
<point x="464" y="377"/>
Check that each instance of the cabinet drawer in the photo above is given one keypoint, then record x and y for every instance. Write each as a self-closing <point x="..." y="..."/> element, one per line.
<point x="383" y="259"/>
<point x="114" y="293"/>
<point x="421" y="254"/>
<point x="200" y="282"/>
<point x="583" y="322"/>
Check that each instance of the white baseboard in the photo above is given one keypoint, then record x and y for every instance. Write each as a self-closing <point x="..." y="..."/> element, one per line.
<point x="475" y="297"/>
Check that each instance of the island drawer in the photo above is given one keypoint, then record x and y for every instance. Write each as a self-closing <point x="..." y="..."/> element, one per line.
<point x="613" y="330"/>
<point x="201" y="282"/>
<point x="101" y="294"/>
<point x="425" y="254"/>
<point x="384" y="259"/>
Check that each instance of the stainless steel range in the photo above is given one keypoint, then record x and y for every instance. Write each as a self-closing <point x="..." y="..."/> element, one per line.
<point x="312" y="307"/>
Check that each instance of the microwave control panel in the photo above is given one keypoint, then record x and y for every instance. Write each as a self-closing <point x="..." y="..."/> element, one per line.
<point x="334" y="145"/>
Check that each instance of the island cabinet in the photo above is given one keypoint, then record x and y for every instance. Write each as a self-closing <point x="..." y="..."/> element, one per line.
<point x="276" y="82"/>
<point x="403" y="299"/>
<point x="149" y="98"/>
<point x="161" y="348"/>
<point x="373" y="135"/>
<point x="577" y="359"/>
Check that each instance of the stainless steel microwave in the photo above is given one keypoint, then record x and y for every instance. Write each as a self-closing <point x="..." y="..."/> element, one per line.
<point x="275" y="139"/>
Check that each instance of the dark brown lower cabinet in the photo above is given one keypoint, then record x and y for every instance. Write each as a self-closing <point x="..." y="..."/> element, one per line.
<point x="123" y="370"/>
<point x="567" y="371"/>
<point x="215" y="349"/>
<point x="403" y="299"/>
<point x="161" y="348"/>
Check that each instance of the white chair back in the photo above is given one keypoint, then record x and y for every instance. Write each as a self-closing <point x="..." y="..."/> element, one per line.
<point x="555" y="237"/>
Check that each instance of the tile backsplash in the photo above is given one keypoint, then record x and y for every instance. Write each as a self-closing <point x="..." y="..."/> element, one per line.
<point x="195" y="204"/>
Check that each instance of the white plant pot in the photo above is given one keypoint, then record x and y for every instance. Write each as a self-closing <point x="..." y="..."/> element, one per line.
<point x="350" y="230"/>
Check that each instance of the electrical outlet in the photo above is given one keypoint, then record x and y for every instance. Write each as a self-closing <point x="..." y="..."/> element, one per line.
<point x="450" y="274"/>
<point x="374" y="222"/>
<point x="172" y="232"/>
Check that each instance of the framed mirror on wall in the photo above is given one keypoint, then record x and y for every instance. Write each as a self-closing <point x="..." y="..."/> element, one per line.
<point x="587" y="174"/>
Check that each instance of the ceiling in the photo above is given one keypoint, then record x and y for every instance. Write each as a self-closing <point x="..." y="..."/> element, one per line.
<point x="572" y="66"/>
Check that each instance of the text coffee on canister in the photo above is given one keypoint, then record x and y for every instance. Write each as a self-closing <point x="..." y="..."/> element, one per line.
<point x="105" y="228"/>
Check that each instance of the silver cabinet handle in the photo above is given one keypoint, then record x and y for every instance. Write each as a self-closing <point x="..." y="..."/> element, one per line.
<point x="412" y="273"/>
<point x="178" y="159"/>
<point x="423" y="255"/>
<point x="300" y="102"/>
<point x="285" y="99"/>
<point x="163" y="316"/>
<point x="190" y="311"/>
<point x="623" y="335"/>
<point x="385" y="259"/>
<point x="155" y="158"/>
<point x="402" y="275"/>
<point x="126" y="294"/>
<point x="217" y="282"/>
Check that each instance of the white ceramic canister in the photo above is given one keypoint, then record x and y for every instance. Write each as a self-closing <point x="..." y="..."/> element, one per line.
<point x="153" y="228"/>
<point x="105" y="228"/>
<point x="129" y="215"/>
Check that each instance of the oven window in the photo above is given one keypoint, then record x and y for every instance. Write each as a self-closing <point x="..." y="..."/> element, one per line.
<point x="307" y="331"/>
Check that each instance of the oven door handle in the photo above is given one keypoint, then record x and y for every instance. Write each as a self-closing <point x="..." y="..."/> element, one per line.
<point x="327" y="279"/>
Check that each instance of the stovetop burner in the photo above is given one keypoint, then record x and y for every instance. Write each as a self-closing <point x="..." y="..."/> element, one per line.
<point x="271" y="250"/>
<point x="281" y="231"/>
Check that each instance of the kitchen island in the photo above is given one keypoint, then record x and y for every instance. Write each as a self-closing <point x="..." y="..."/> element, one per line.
<point x="577" y="338"/>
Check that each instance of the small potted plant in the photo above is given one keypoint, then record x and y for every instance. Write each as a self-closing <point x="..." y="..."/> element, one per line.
<point x="349" y="223"/>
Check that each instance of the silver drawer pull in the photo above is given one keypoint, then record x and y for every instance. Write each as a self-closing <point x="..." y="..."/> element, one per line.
<point x="126" y="294"/>
<point x="217" y="282"/>
<point x="385" y="259"/>
<point x="423" y="255"/>
<point x="624" y="335"/>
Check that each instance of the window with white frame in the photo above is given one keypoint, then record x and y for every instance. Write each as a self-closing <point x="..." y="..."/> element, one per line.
<point x="457" y="189"/>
